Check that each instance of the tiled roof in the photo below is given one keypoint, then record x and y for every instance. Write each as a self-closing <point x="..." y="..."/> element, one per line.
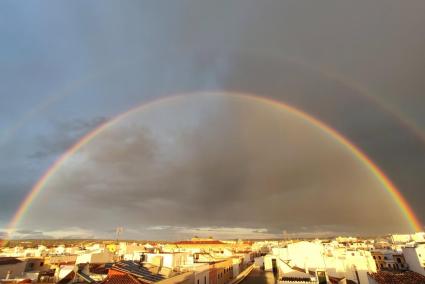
<point x="409" y="277"/>
<point x="118" y="277"/>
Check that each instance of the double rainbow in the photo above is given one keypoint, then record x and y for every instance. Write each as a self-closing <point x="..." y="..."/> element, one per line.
<point x="395" y="194"/>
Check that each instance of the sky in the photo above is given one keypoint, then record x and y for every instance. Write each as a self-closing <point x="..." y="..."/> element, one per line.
<point x="210" y="163"/>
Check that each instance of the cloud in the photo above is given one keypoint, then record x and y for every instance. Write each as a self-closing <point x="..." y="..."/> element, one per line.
<point x="70" y="232"/>
<point x="181" y="232"/>
<point x="230" y="232"/>
<point x="26" y="234"/>
<point x="241" y="165"/>
<point x="63" y="135"/>
<point x="3" y="235"/>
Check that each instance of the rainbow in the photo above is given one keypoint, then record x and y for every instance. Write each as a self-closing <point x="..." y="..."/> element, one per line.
<point x="390" y="188"/>
<point x="405" y="121"/>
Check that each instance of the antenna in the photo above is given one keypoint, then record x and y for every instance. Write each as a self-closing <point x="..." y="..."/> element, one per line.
<point x="118" y="232"/>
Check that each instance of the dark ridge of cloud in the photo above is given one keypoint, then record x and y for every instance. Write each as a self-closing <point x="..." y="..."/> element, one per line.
<point x="27" y="232"/>
<point x="64" y="135"/>
<point x="243" y="165"/>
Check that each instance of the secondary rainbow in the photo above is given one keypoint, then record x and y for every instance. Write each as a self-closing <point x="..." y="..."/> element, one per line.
<point x="401" y="202"/>
<point x="336" y="77"/>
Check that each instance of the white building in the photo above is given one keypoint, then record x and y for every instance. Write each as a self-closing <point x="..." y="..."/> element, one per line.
<point x="95" y="257"/>
<point x="415" y="257"/>
<point x="202" y="273"/>
<point x="406" y="238"/>
<point x="312" y="257"/>
<point x="170" y="260"/>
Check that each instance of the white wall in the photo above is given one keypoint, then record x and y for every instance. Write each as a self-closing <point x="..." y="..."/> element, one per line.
<point x="202" y="274"/>
<point x="63" y="271"/>
<point x="170" y="260"/>
<point x="95" y="257"/>
<point x="411" y="255"/>
<point x="337" y="261"/>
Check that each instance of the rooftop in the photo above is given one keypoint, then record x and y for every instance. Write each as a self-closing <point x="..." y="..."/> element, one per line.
<point x="137" y="270"/>
<point x="9" y="260"/>
<point x="118" y="277"/>
<point x="409" y="277"/>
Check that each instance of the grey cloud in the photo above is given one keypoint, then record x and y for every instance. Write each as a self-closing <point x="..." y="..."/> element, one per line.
<point x="28" y="234"/>
<point x="63" y="135"/>
<point x="242" y="165"/>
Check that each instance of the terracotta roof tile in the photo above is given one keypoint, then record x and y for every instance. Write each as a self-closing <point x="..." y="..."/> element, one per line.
<point x="118" y="277"/>
<point x="408" y="277"/>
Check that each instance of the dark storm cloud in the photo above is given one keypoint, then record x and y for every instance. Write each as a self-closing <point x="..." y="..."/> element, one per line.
<point x="240" y="167"/>
<point x="371" y="126"/>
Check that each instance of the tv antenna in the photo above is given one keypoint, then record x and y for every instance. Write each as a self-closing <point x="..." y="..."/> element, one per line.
<point x="118" y="232"/>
